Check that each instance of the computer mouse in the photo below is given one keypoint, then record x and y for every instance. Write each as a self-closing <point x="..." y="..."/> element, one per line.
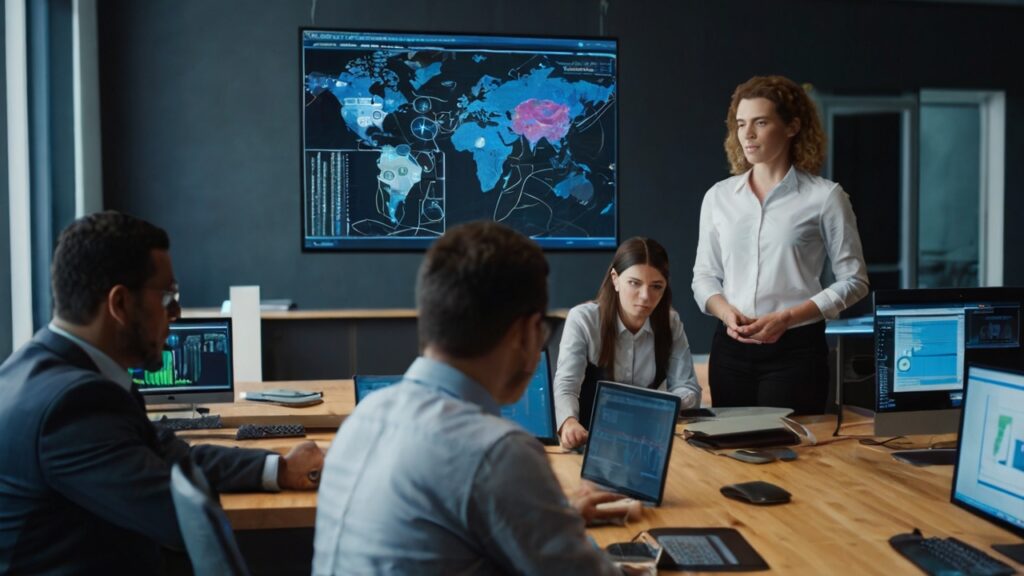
<point x="756" y="492"/>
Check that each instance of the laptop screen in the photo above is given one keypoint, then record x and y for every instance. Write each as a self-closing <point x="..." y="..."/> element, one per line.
<point x="365" y="384"/>
<point x="989" y="476"/>
<point x="535" y="409"/>
<point x="631" y="436"/>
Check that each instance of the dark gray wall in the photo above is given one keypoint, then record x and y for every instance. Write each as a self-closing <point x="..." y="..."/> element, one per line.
<point x="201" y="109"/>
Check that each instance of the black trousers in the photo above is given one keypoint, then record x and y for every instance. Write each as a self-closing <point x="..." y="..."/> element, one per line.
<point x="791" y="373"/>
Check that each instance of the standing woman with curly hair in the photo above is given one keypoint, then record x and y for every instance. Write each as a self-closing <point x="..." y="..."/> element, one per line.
<point x="764" y="236"/>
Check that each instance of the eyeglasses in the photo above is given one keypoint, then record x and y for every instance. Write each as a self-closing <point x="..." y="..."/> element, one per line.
<point x="167" y="297"/>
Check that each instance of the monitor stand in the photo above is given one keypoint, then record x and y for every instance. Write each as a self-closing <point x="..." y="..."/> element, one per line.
<point x="182" y="411"/>
<point x="927" y="456"/>
<point x="1013" y="551"/>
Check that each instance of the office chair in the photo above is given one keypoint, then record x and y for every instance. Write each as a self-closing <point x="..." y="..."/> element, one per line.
<point x="204" y="527"/>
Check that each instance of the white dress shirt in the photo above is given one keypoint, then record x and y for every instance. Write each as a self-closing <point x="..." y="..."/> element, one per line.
<point x="767" y="258"/>
<point x="634" y="359"/>
<point x="118" y="375"/>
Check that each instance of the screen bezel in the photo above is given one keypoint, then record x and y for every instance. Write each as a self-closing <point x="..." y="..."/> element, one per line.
<point x="1018" y="530"/>
<point x="156" y="397"/>
<point x="422" y="248"/>
<point x="603" y="385"/>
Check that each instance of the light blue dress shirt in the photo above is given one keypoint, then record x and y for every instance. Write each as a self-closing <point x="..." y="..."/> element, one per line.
<point x="426" y="477"/>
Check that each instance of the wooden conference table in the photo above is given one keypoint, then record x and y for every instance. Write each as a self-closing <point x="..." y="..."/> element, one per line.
<point x="848" y="499"/>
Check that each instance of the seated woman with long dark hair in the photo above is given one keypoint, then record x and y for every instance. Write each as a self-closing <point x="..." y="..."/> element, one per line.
<point x="629" y="334"/>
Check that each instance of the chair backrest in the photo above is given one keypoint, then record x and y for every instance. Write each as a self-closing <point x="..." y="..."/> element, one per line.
<point x="204" y="527"/>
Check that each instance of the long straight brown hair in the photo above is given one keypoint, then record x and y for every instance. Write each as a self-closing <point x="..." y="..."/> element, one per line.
<point x="636" y="250"/>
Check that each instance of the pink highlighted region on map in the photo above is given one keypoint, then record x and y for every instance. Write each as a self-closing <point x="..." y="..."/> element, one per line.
<point x="536" y="119"/>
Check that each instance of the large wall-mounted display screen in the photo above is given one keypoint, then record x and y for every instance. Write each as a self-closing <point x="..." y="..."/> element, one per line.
<point x="406" y="135"/>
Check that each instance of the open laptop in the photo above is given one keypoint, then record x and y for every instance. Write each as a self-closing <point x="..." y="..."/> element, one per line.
<point x="535" y="410"/>
<point x="988" y="479"/>
<point x="365" y="384"/>
<point x="631" y="434"/>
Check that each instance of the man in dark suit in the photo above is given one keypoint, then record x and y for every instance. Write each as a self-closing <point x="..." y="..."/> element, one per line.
<point x="84" y="475"/>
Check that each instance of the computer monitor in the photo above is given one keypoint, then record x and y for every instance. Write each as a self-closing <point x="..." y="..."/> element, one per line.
<point x="535" y="409"/>
<point x="405" y="135"/>
<point x="989" y="476"/>
<point x="197" y="365"/>
<point x="925" y="338"/>
<point x="631" y="433"/>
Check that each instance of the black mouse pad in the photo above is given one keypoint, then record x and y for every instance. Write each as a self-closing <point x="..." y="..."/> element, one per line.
<point x="706" y="550"/>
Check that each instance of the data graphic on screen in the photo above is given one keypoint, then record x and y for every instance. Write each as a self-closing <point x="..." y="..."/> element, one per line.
<point x="196" y="358"/>
<point x="924" y="340"/>
<point x="534" y="410"/>
<point x="406" y="135"/>
<point x="366" y="385"/>
<point x="630" y="440"/>
<point x="929" y="352"/>
<point x="990" y="467"/>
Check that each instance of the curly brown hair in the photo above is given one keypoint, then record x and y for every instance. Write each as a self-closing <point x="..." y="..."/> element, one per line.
<point x="807" y="149"/>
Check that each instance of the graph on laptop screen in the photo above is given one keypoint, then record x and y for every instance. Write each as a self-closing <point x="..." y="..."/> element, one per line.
<point x="924" y="340"/>
<point x="405" y="135"/>
<point x="989" y="475"/>
<point x="196" y="364"/>
<point x="631" y="440"/>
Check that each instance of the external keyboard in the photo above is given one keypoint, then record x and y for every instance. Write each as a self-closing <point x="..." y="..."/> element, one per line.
<point x="257" y="431"/>
<point x="947" y="556"/>
<point x="200" y="423"/>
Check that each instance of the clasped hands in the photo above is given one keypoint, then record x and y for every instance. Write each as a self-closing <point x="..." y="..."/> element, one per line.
<point x="764" y="330"/>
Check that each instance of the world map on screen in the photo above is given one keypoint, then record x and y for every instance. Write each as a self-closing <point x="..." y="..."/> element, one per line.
<point x="401" y="144"/>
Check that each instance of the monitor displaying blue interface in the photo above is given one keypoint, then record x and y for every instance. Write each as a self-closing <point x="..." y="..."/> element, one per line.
<point x="197" y="364"/>
<point x="631" y="435"/>
<point x="535" y="410"/>
<point x="925" y="338"/>
<point x="405" y="135"/>
<point x="989" y="475"/>
<point x="366" y="384"/>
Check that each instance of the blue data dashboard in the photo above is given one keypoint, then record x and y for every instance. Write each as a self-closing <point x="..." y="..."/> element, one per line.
<point x="406" y="135"/>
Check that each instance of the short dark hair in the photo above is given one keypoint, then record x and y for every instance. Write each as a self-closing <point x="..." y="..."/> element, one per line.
<point x="96" y="253"/>
<point x="475" y="282"/>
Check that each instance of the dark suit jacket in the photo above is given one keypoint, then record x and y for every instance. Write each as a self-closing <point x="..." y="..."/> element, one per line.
<point x="84" y="475"/>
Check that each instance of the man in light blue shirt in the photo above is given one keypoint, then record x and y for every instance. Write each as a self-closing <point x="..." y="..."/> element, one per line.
<point x="426" y="477"/>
